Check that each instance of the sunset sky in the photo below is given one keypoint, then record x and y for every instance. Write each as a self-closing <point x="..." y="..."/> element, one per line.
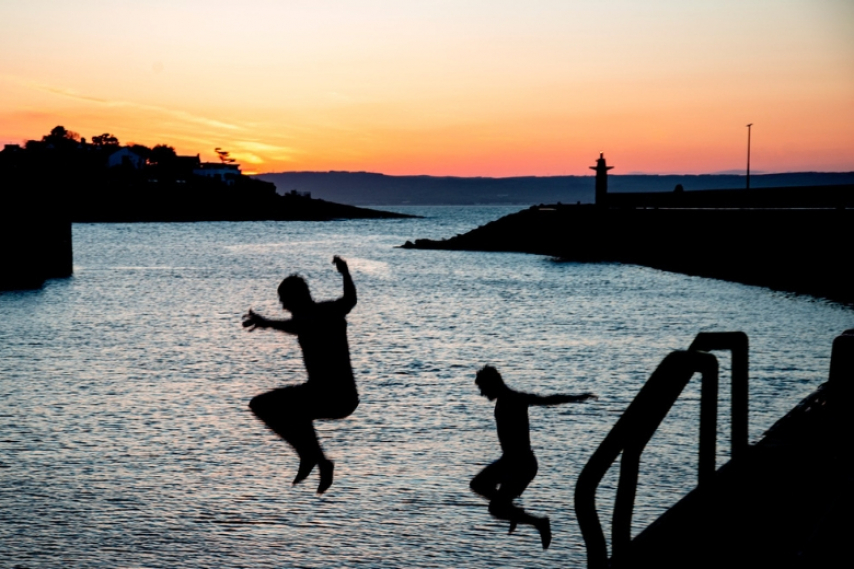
<point x="462" y="87"/>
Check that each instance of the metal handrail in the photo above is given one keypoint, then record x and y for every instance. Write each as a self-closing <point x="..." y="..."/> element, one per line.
<point x="637" y="425"/>
<point x="630" y="435"/>
<point x="737" y="344"/>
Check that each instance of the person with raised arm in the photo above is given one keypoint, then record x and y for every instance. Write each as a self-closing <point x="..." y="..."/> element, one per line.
<point x="330" y="391"/>
<point x="505" y="479"/>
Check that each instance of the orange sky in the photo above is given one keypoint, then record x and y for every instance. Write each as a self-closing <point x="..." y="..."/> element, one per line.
<point x="473" y="87"/>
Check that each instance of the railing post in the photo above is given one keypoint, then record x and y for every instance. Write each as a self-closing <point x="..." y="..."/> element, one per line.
<point x="739" y="396"/>
<point x="708" y="420"/>
<point x="737" y="344"/>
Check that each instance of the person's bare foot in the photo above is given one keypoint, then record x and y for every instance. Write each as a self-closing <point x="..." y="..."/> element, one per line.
<point x="544" y="526"/>
<point x="326" y="471"/>
<point x="305" y="468"/>
<point x="512" y="527"/>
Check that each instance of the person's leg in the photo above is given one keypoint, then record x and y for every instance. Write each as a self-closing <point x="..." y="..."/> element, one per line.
<point x="327" y="404"/>
<point x="303" y="438"/>
<point x="486" y="482"/>
<point x="326" y="468"/>
<point x="519" y="473"/>
<point x="502" y="507"/>
<point x="284" y="411"/>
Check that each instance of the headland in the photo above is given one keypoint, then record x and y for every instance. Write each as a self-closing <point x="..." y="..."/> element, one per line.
<point x="47" y="184"/>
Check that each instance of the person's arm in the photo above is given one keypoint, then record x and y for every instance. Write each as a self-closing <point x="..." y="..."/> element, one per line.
<point x="559" y="399"/>
<point x="348" y="301"/>
<point x="252" y="321"/>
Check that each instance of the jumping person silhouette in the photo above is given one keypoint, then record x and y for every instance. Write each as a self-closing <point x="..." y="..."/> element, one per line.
<point x="330" y="392"/>
<point x="506" y="478"/>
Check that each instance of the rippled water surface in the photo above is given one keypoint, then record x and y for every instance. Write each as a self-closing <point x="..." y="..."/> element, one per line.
<point x="125" y="438"/>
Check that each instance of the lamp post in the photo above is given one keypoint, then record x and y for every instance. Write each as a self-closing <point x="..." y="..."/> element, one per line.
<point x="748" y="155"/>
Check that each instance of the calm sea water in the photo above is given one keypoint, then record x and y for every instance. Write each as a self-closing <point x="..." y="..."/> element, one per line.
<point x="125" y="438"/>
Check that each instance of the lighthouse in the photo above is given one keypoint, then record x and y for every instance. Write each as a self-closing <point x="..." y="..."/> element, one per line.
<point x="601" y="180"/>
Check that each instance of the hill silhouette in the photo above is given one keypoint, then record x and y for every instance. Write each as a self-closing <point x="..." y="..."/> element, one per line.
<point x="365" y="188"/>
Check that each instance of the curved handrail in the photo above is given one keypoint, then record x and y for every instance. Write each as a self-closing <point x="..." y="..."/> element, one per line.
<point x="630" y="435"/>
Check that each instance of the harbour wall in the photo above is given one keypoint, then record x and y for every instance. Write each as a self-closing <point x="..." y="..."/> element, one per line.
<point x="35" y="237"/>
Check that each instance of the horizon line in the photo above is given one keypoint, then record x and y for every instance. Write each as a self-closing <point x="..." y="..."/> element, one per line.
<point x="635" y="173"/>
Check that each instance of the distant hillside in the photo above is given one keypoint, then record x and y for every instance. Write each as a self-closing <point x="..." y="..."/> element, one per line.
<point x="365" y="188"/>
<point x="63" y="176"/>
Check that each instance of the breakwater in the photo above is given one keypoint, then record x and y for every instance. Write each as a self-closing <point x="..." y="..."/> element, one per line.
<point x="796" y="250"/>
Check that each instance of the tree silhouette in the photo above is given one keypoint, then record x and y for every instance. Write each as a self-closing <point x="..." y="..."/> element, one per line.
<point x="105" y="139"/>
<point x="162" y="154"/>
<point x="224" y="157"/>
<point x="61" y="137"/>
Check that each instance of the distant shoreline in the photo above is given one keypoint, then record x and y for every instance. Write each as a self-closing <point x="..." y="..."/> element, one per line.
<point x="371" y="189"/>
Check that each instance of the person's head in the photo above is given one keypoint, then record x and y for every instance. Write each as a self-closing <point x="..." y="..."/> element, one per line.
<point x="489" y="381"/>
<point x="294" y="294"/>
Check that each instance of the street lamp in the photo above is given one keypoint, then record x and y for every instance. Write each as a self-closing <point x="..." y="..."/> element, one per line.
<point x="748" y="155"/>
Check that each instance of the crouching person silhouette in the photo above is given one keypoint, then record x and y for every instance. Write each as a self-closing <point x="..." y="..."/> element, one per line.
<point x="506" y="478"/>
<point x="330" y="392"/>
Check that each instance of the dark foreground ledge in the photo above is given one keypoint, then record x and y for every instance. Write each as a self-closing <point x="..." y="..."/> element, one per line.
<point x="797" y="250"/>
<point x="788" y="502"/>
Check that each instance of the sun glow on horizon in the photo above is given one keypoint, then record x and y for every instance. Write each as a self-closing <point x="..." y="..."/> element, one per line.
<point x="483" y="88"/>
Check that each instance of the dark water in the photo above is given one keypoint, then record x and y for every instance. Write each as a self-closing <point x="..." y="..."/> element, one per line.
<point x="125" y="440"/>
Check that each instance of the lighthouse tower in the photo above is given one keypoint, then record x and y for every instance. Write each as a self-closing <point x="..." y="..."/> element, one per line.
<point x="601" y="180"/>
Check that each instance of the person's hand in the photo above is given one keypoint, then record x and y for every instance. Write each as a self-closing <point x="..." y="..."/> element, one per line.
<point x="340" y="264"/>
<point x="252" y="320"/>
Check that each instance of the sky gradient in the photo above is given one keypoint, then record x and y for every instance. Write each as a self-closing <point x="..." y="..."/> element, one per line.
<point x="464" y="87"/>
